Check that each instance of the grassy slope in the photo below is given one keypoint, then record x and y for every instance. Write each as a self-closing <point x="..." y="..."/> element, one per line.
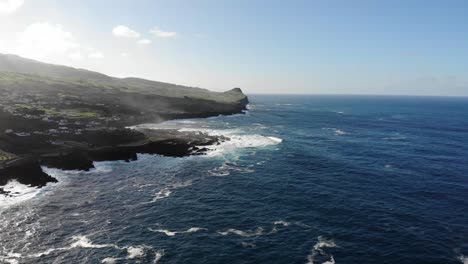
<point x="16" y="70"/>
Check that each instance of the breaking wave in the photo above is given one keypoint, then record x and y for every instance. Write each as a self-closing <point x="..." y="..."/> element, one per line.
<point x="318" y="252"/>
<point x="173" y="233"/>
<point x="236" y="141"/>
<point x="80" y="241"/>
<point x="337" y="131"/>
<point x="239" y="139"/>
<point x="16" y="193"/>
<point x="463" y="259"/>
<point x="259" y="231"/>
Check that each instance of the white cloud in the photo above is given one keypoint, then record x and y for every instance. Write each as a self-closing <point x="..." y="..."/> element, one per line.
<point x="163" y="34"/>
<point x="9" y="6"/>
<point x="125" y="32"/>
<point x="96" y="55"/>
<point x="124" y="54"/>
<point x="42" y="40"/>
<point x="75" y="55"/>
<point x="144" y="41"/>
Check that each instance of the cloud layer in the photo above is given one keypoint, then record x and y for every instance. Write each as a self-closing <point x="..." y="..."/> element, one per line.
<point x="10" y="6"/>
<point x="162" y="34"/>
<point x="122" y="31"/>
<point x="40" y="40"/>
<point x="144" y="41"/>
<point x="125" y="32"/>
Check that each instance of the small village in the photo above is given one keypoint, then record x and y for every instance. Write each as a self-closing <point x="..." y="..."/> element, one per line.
<point x="60" y="114"/>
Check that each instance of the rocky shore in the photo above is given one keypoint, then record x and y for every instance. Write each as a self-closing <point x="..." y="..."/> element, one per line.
<point x="107" y="145"/>
<point x="67" y="118"/>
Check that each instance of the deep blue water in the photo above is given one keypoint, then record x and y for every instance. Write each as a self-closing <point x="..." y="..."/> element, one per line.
<point x="356" y="179"/>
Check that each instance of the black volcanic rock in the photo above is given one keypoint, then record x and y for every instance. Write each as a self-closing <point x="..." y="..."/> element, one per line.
<point x="26" y="171"/>
<point x="67" y="118"/>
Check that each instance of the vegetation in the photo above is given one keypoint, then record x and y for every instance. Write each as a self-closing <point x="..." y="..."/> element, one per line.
<point x="27" y="71"/>
<point x="4" y="156"/>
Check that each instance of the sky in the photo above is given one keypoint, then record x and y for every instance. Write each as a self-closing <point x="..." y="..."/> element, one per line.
<point x="398" y="47"/>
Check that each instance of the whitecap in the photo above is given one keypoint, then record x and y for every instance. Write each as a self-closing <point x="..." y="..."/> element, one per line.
<point x="463" y="259"/>
<point x="248" y="244"/>
<point x="281" y="222"/>
<point x="257" y="232"/>
<point x="158" y="256"/>
<point x="135" y="252"/>
<point x="319" y="250"/>
<point x="109" y="260"/>
<point x="167" y="191"/>
<point x="85" y="242"/>
<point x="236" y="142"/>
<point x="162" y="194"/>
<point x="17" y="193"/>
<point x="79" y="241"/>
<point x="11" y="258"/>
<point x="275" y="139"/>
<point x="173" y="233"/>
<point x="237" y="138"/>
<point x="99" y="167"/>
<point x="226" y="168"/>
<point x="337" y="131"/>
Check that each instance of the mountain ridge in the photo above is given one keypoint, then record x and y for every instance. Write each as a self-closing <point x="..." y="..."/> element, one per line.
<point x="16" y="64"/>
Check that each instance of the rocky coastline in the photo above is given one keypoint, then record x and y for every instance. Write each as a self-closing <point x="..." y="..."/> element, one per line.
<point x="66" y="118"/>
<point x="72" y="155"/>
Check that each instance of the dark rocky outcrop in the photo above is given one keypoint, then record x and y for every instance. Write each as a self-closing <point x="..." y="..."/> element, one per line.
<point x="67" y="118"/>
<point x="26" y="171"/>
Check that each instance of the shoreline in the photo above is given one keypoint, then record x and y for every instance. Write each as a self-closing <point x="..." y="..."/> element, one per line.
<point x="127" y="143"/>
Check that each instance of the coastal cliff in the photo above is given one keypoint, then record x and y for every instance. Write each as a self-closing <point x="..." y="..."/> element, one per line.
<point x="67" y="118"/>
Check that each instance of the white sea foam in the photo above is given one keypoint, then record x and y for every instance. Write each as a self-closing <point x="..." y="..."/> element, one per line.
<point x="463" y="259"/>
<point x="109" y="260"/>
<point x="99" y="167"/>
<point x="238" y="139"/>
<point x="17" y="193"/>
<point x="226" y="168"/>
<point x="80" y="241"/>
<point x="162" y="194"/>
<point x="281" y="222"/>
<point x="158" y="256"/>
<point x="331" y="261"/>
<point x="241" y="142"/>
<point x="11" y="258"/>
<point x="248" y="244"/>
<point x="135" y="252"/>
<point x="319" y="250"/>
<point x="167" y="191"/>
<point x="275" y="139"/>
<point x="85" y="242"/>
<point x="173" y="233"/>
<point x="257" y="232"/>
<point x="337" y="131"/>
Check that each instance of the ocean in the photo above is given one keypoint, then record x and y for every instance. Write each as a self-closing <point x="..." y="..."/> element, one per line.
<point x="304" y="179"/>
